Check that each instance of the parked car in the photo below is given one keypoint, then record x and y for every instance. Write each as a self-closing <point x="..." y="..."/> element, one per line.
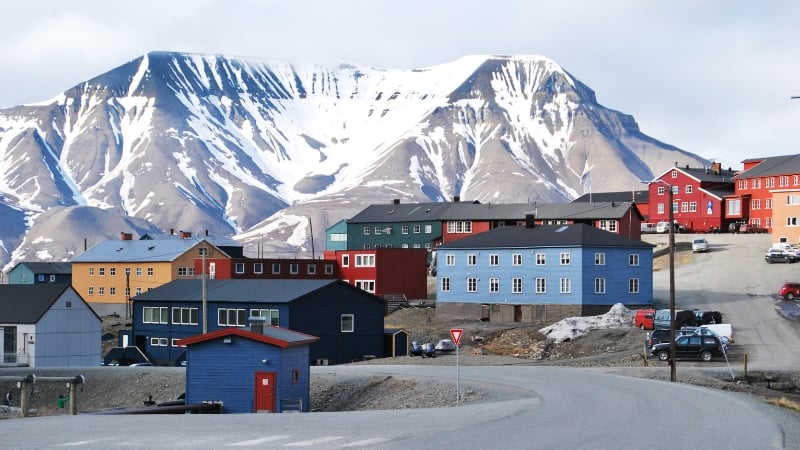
<point x="683" y="318"/>
<point x="445" y="346"/>
<point x="780" y="255"/>
<point x="704" y="347"/>
<point x="644" y="319"/>
<point x="750" y="228"/>
<point x="662" y="227"/>
<point x="790" y="290"/>
<point x="707" y="317"/>
<point x="699" y="244"/>
<point x="662" y="335"/>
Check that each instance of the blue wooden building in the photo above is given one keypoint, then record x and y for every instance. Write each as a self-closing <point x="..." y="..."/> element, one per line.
<point x="538" y="273"/>
<point x="347" y="320"/>
<point x="40" y="272"/>
<point x="264" y="369"/>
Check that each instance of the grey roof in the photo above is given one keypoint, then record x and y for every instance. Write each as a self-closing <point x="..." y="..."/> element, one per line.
<point x="403" y="212"/>
<point x="703" y="174"/>
<point x="235" y="290"/>
<point x="27" y="303"/>
<point x="488" y="211"/>
<point x="218" y="241"/>
<point x="619" y="196"/>
<point x="722" y="191"/>
<point x="158" y="250"/>
<point x="62" y="268"/>
<point x="575" y="235"/>
<point x="774" y="165"/>
<point x="583" y="211"/>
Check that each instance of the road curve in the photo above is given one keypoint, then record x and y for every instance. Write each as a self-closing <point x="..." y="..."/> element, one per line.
<point x="540" y="407"/>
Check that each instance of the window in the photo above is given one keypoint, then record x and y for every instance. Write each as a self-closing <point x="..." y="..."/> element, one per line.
<point x="377" y="230"/>
<point x="541" y="285"/>
<point x="295" y="376"/>
<point x="347" y="321"/>
<point x="258" y="268"/>
<point x="599" y="259"/>
<point x="138" y="291"/>
<point x="91" y="271"/>
<point x="404" y="229"/>
<point x="112" y="290"/>
<point x="734" y="206"/>
<point x="692" y="206"/>
<point x="494" y="259"/>
<point x="633" y="285"/>
<point x="158" y="342"/>
<point x="768" y="203"/>
<point x="445" y="284"/>
<point x="755" y="204"/>
<point x="472" y="259"/>
<point x="231" y="317"/>
<point x="674" y="174"/>
<point x="516" y="285"/>
<point x="674" y="190"/>
<point x="239" y="268"/>
<point x="688" y="189"/>
<point x="791" y="221"/>
<point x="294" y="268"/>
<point x="450" y="259"/>
<point x="184" y="316"/>
<point x="494" y="285"/>
<point x="472" y="285"/>
<point x="684" y="206"/>
<point x="633" y="259"/>
<point x="367" y="285"/>
<point x="338" y="237"/>
<point x="565" y="259"/>
<point x="183" y="272"/>
<point x="112" y="271"/>
<point x="138" y="271"/>
<point x="565" y="285"/>
<point x="793" y="199"/>
<point x="101" y="290"/>
<point x="127" y="271"/>
<point x="175" y="342"/>
<point x="101" y="271"/>
<point x="599" y="285"/>
<point x="150" y="271"/>
<point x="91" y="290"/>
<point x="459" y="226"/>
<point x="154" y="314"/>
<point x="428" y="229"/>
<point x="328" y="269"/>
<point x="367" y="231"/>
<point x="416" y="229"/>
<point x="674" y="207"/>
<point x="272" y="315"/>
<point x="661" y="190"/>
<point x="312" y="269"/>
<point x="127" y="292"/>
<point x="345" y="260"/>
<point x="276" y="268"/>
<point x="365" y="260"/>
<point x="541" y="259"/>
<point x="516" y="259"/>
<point x="660" y="208"/>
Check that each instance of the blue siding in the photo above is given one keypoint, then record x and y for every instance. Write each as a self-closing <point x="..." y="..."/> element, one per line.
<point x="227" y="372"/>
<point x="581" y="273"/>
<point x="68" y="336"/>
<point x="20" y="274"/>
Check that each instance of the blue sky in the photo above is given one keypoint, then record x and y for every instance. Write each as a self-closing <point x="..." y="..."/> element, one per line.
<point x="712" y="77"/>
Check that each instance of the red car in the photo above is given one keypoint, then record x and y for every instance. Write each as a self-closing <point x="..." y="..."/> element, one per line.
<point x="790" y="290"/>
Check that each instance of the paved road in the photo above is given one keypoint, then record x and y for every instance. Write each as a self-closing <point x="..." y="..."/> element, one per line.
<point x="734" y="278"/>
<point x="548" y="408"/>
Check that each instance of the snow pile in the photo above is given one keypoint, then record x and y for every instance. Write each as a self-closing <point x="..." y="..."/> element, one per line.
<point x="572" y="327"/>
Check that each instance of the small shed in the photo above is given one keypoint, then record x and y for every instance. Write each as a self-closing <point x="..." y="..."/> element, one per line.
<point x="265" y="369"/>
<point x="396" y="342"/>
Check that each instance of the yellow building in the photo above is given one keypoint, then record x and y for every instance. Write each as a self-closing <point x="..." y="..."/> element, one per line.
<point x="110" y="273"/>
<point x="786" y="215"/>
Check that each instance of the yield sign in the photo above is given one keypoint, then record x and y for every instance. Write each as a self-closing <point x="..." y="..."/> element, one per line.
<point x="456" y="333"/>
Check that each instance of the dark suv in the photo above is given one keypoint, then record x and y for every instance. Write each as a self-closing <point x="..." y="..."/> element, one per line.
<point x="703" y="347"/>
<point x="661" y="335"/>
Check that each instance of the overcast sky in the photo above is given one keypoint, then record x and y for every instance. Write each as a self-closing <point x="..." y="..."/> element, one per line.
<point x="713" y="77"/>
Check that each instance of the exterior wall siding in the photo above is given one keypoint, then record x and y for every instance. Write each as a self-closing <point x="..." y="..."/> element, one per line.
<point x="709" y="210"/>
<point x="786" y="216"/>
<point x="68" y="336"/>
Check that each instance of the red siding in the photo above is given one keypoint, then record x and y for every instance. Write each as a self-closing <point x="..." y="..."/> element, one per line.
<point x="698" y="220"/>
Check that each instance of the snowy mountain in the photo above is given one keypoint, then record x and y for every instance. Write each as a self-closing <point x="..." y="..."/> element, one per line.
<point x="262" y="149"/>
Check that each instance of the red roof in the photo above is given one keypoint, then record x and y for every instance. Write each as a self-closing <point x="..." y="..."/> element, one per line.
<point x="277" y="336"/>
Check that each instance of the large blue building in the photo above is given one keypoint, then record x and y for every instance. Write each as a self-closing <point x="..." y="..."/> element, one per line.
<point x="536" y="273"/>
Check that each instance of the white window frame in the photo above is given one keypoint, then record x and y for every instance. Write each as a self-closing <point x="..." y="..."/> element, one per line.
<point x="599" y="285"/>
<point x="347" y="323"/>
<point x="494" y="285"/>
<point x="541" y="285"/>
<point x="599" y="259"/>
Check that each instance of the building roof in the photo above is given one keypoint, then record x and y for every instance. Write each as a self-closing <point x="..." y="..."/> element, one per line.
<point x="583" y="211"/>
<point x="157" y="250"/>
<point x="619" y="196"/>
<point x="773" y="165"/>
<point x="237" y="290"/>
<point x="50" y="268"/>
<point x="488" y="211"/>
<point x="28" y="303"/>
<point x="277" y="336"/>
<point x="541" y="236"/>
<point x="218" y="241"/>
<point x="403" y="212"/>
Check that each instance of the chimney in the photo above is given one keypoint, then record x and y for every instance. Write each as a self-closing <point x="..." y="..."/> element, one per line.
<point x="206" y="233"/>
<point x="186" y="234"/>
<point x="172" y="231"/>
<point x="396" y="201"/>
<point x="716" y="167"/>
<point x="126" y="236"/>
<point x="530" y="220"/>
<point x="257" y="324"/>
<point x="456" y="199"/>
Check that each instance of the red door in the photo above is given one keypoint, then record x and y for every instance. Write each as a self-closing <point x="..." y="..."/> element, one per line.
<point x="265" y="392"/>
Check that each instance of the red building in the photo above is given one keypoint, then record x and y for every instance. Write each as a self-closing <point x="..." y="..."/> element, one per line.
<point x="759" y="181"/>
<point x="697" y="196"/>
<point x="383" y="271"/>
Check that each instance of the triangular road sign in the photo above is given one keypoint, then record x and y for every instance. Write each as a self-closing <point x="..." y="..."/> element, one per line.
<point x="456" y="333"/>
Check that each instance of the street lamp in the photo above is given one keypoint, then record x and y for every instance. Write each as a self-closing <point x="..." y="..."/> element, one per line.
<point x="672" y="375"/>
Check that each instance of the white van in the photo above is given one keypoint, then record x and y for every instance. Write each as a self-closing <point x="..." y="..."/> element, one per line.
<point x="648" y="227"/>
<point x="662" y="227"/>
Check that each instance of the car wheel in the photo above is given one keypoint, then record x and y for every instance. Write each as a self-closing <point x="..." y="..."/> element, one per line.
<point x="706" y="356"/>
<point x="789" y="296"/>
<point x="787" y="260"/>
<point x="663" y="355"/>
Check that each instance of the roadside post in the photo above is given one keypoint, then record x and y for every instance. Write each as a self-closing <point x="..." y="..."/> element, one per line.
<point x="456" y="333"/>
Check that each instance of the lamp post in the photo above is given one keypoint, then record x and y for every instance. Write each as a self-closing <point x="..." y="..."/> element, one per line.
<point x="672" y="374"/>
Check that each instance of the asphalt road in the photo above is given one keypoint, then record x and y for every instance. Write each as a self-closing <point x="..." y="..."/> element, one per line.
<point x="547" y="408"/>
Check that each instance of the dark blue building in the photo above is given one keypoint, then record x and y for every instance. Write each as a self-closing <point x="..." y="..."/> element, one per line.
<point x="347" y="320"/>
<point x="264" y="369"/>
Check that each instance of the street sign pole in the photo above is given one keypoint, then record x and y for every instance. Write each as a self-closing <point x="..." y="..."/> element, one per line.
<point x="456" y="333"/>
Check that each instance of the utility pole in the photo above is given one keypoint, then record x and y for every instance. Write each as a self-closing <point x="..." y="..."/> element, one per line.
<point x="204" y="251"/>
